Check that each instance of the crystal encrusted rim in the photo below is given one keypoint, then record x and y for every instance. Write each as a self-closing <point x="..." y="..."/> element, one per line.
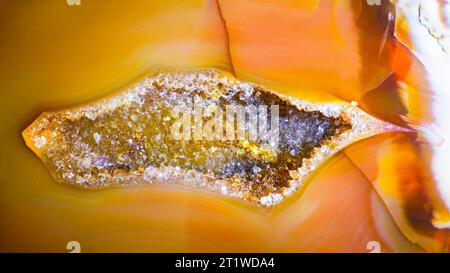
<point x="363" y="126"/>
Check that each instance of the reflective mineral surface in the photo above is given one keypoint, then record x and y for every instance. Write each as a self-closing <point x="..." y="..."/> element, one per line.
<point x="132" y="137"/>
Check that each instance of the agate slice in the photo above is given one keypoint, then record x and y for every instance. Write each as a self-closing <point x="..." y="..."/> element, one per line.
<point x="129" y="138"/>
<point x="147" y="192"/>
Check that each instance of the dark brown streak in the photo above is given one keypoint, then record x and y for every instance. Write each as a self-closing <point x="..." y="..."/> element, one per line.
<point x="227" y="38"/>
